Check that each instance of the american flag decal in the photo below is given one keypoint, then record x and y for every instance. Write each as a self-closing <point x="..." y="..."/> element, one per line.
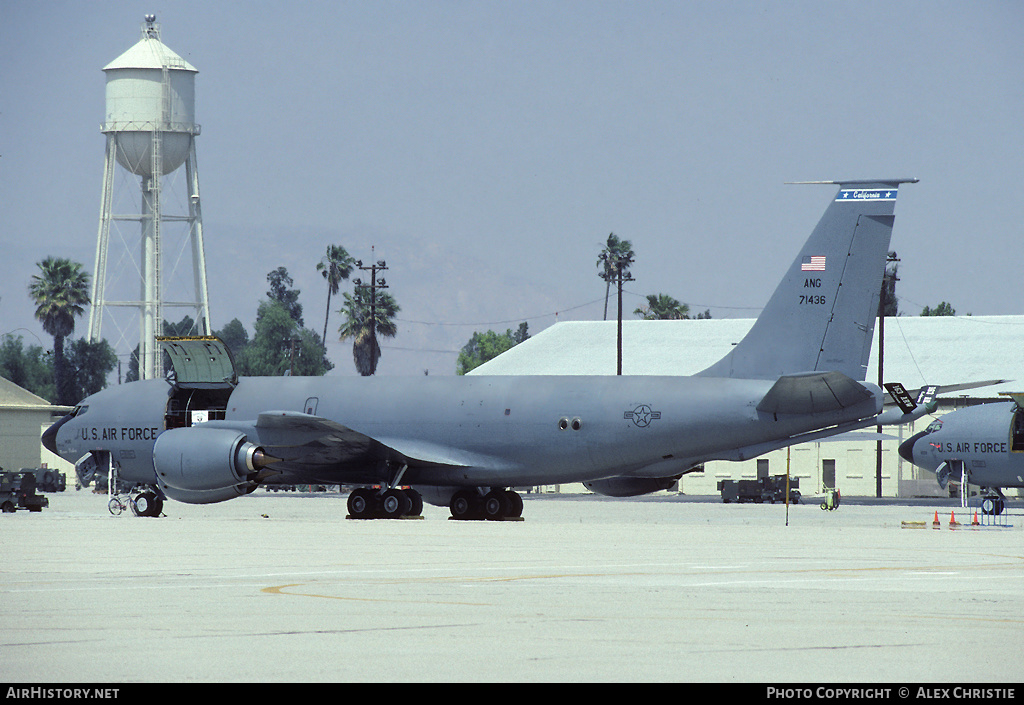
<point x="813" y="264"/>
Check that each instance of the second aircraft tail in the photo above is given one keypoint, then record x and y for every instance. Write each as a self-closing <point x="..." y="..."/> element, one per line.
<point x="821" y="317"/>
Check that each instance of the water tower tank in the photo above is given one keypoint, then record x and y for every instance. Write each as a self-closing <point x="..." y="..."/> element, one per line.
<point x="150" y="89"/>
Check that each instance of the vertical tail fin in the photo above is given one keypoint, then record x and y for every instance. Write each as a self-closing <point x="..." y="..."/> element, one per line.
<point x="822" y="315"/>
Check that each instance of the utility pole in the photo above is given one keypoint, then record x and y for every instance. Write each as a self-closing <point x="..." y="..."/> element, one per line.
<point x="291" y="356"/>
<point x="881" y="359"/>
<point x="375" y="283"/>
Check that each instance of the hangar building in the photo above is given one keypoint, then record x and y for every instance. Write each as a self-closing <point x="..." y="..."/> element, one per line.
<point x="919" y="350"/>
<point x="23" y="418"/>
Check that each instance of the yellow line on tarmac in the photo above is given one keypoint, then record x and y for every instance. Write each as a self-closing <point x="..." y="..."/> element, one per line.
<point x="553" y="576"/>
<point x="281" y="590"/>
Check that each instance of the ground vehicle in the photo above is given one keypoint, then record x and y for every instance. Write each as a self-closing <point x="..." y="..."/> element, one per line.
<point x="763" y="489"/>
<point x="18" y="490"/>
<point x="48" y="479"/>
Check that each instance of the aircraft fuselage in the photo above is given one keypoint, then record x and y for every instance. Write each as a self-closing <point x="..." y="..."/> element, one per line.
<point x="796" y="376"/>
<point x="988" y="439"/>
<point x="471" y="431"/>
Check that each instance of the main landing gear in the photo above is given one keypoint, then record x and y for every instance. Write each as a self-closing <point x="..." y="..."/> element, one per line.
<point x="468" y="504"/>
<point x="395" y="503"/>
<point x="496" y="505"/>
<point x="389" y="501"/>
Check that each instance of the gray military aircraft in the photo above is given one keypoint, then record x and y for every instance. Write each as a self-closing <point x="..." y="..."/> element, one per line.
<point x="204" y="435"/>
<point x="983" y="444"/>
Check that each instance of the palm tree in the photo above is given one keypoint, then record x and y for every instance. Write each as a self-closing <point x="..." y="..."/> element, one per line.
<point x="617" y="254"/>
<point x="59" y="291"/>
<point x="364" y="320"/>
<point x="662" y="307"/>
<point x="336" y="265"/>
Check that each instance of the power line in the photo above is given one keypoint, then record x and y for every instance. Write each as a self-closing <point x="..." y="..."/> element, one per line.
<point x="496" y="323"/>
<point x="519" y="319"/>
<point x="429" y="350"/>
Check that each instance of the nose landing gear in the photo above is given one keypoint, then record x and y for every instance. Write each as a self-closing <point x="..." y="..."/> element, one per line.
<point x="993" y="504"/>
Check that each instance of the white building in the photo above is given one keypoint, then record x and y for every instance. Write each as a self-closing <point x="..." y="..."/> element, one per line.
<point x="924" y="350"/>
<point x="23" y="418"/>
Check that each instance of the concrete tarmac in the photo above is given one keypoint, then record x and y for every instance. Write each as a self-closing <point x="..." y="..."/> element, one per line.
<point x="281" y="587"/>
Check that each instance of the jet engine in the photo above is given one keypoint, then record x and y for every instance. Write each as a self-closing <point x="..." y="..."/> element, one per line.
<point x="201" y="465"/>
<point x="630" y="486"/>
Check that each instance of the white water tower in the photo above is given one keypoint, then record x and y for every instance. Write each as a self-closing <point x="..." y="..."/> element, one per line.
<point x="151" y="130"/>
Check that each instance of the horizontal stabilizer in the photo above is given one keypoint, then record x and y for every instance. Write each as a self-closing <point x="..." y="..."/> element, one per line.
<point x="813" y="393"/>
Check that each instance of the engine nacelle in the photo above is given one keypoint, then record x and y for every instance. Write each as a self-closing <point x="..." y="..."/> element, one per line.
<point x="630" y="486"/>
<point x="201" y="460"/>
<point x="207" y="496"/>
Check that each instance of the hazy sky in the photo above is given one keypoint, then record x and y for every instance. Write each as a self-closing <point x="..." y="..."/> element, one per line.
<point x="486" y="149"/>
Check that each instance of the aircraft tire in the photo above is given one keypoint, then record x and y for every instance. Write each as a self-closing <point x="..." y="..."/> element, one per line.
<point x="415" y="501"/>
<point x="465" y="504"/>
<point x="361" y="504"/>
<point x="496" y="505"/>
<point x="992" y="505"/>
<point x="516" y="503"/>
<point x="395" y="504"/>
<point x="148" y="504"/>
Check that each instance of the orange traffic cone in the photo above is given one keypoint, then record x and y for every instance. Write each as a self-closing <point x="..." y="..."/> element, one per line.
<point x="935" y="521"/>
<point x="952" y="520"/>
<point x="975" y="522"/>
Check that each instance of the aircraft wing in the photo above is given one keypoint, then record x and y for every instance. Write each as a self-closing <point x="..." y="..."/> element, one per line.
<point x="312" y="445"/>
<point x="313" y="440"/>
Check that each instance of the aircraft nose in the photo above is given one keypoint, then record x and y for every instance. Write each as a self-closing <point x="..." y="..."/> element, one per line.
<point x="49" y="437"/>
<point x="906" y="449"/>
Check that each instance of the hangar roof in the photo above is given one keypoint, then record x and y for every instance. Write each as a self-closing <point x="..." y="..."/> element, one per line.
<point x="14" y="397"/>
<point x="919" y="350"/>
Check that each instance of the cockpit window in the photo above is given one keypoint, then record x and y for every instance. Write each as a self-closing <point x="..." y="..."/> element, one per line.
<point x="934" y="426"/>
<point x="79" y="410"/>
